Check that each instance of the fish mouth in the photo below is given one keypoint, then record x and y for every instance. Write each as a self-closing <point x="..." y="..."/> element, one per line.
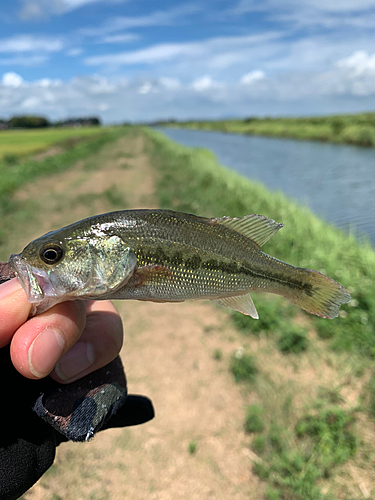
<point x="35" y="282"/>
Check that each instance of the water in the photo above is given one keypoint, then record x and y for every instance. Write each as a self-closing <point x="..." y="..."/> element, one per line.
<point x="336" y="182"/>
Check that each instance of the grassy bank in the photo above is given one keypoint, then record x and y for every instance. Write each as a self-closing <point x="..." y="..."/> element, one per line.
<point x="192" y="181"/>
<point x="24" y="142"/>
<point x="303" y="433"/>
<point x="358" y="129"/>
<point x="18" y="171"/>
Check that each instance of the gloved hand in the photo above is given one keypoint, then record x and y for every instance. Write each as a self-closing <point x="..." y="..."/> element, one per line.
<point x="76" y="343"/>
<point x="73" y="411"/>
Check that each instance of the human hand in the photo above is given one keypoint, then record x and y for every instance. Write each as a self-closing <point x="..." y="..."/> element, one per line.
<point x="68" y="341"/>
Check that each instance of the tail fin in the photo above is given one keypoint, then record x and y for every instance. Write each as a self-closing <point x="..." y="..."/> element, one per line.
<point x="321" y="295"/>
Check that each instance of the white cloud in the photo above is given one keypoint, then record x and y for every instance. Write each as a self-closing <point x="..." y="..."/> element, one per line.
<point x="348" y="79"/>
<point x="35" y="9"/>
<point x="145" y="88"/>
<point x="31" y="102"/>
<point x="77" y="51"/>
<point x="95" y="85"/>
<point x="47" y="83"/>
<point x="359" y="64"/>
<point x="30" y="43"/>
<point x="354" y="74"/>
<point x="203" y="83"/>
<point x="252" y="77"/>
<point x="208" y="52"/>
<point x="12" y="79"/>
<point x="25" y="61"/>
<point x="121" y="38"/>
<point x="341" y="5"/>
<point x="244" y="6"/>
<point x="170" y="83"/>
<point x="150" y="55"/>
<point x="297" y="14"/>
<point x="157" y="18"/>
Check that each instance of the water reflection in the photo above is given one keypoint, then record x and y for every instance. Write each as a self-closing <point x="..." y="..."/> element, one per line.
<point x="337" y="182"/>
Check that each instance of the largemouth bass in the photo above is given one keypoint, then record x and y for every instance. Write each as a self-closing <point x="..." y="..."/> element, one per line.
<point x="167" y="256"/>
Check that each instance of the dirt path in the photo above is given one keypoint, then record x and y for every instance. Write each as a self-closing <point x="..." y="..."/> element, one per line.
<point x="168" y="355"/>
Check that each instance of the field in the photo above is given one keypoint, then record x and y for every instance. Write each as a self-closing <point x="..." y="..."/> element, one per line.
<point x="22" y="142"/>
<point x="358" y="129"/>
<point x="280" y="409"/>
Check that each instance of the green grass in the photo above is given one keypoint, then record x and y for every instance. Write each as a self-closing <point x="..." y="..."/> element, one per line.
<point x="192" y="447"/>
<point x="358" y="129"/>
<point x="305" y="433"/>
<point x="15" y="174"/>
<point x="217" y="354"/>
<point x="192" y="181"/>
<point x="253" y="419"/>
<point x="293" y="339"/>
<point x="243" y="367"/>
<point x="293" y="462"/>
<point x="23" y="142"/>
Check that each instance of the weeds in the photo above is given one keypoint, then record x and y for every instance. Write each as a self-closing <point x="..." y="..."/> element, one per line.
<point x="292" y="339"/>
<point x="369" y="396"/>
<point x="192" y="447"/>
<point x="253" y="420"/>
<point x="10" y="159"/>
<point x="217" y="354"/>
<point x="330" y="394"/>
<point x="243" y="367"/>
<point x="331" y="434"/>
<point x="356" y="129"/>
<point x="294" y="462"/>
<point x="115" y="197"/>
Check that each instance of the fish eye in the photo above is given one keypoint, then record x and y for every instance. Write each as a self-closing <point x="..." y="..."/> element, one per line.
<point x="51" y="253"/>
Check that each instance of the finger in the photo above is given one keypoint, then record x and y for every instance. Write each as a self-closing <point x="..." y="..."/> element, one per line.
<point x="14" y="309"/>
<point x="98" y="345"/>
<point x="39" y="343"/>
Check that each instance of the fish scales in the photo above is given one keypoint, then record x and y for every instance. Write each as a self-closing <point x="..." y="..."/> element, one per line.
<point x="199" y="255"/>
<point x="168" y="256"/>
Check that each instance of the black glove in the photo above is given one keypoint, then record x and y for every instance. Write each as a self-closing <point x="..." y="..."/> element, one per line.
<point x="36" y="416"/>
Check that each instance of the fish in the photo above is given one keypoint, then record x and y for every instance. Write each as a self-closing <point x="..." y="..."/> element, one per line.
<point x="167" y="256"/>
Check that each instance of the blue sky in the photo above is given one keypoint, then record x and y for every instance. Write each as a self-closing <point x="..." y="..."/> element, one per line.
<point x="143" y="60"/>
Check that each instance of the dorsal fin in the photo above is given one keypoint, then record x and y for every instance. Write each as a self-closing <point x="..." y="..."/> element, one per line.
<point x="240" y="303"/>
<point x="256" y="227"/>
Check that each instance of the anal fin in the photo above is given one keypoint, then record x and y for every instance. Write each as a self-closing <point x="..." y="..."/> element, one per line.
<point x="240" y="303"/>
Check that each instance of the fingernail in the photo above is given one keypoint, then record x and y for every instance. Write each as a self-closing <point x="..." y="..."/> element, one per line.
<point x="76" y="361"/>
<point x="45" y="351"/>
<point x="9" y="287"/>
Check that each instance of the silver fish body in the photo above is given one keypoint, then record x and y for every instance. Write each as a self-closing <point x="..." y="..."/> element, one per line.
<point x="162" y="255"/>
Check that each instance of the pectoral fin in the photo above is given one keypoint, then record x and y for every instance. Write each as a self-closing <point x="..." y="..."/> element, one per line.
<point x="147" y="274"/>
<point x="240" y="303"/>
